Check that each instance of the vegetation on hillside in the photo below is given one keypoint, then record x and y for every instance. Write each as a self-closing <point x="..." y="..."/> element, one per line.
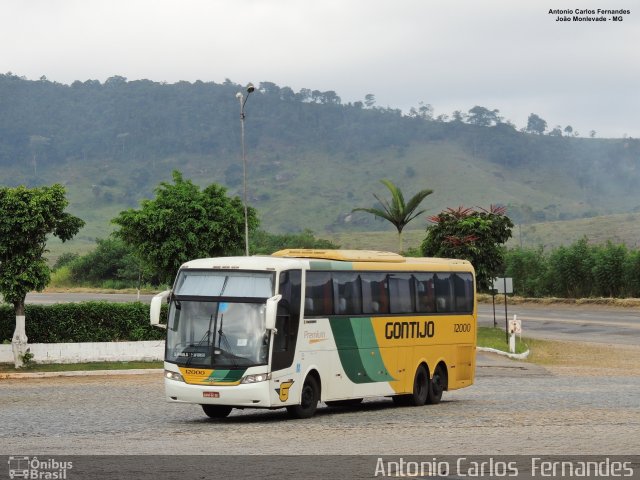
<point x="110" y="143"/>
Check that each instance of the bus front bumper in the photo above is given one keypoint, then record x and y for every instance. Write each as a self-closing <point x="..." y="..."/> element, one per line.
<point x="250" y="395"/>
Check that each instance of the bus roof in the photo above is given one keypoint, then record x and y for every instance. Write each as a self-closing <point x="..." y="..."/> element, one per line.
<point x="327" y="259"/>
<point x="342" y="255"/>
<point x="370" y="256"/>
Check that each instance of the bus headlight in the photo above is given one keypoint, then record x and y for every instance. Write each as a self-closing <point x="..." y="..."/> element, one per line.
<point x="260" y="377"/>
<point x="173" y="376"/>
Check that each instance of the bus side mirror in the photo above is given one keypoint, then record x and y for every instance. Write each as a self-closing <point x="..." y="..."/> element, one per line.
<point x="271" y="311"/>
<point x="156" y="308"/>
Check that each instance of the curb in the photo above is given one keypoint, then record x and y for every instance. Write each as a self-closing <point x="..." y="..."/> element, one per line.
<point x="513" y="356"/>
<point x="80" y="373"/>
<point x="144" y="371"/>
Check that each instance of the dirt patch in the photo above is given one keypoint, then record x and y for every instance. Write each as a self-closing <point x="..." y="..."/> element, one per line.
<point x="577" y="358"/>
<point x="607" y="301"/>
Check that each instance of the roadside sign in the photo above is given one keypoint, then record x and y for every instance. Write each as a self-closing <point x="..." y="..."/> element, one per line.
<point x="515" y="326"/>
<point x="502" y="285"/>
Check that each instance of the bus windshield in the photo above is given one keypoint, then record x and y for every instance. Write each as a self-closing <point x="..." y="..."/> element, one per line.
<point x="217" y="319"/>
<point x="217" y="334"/>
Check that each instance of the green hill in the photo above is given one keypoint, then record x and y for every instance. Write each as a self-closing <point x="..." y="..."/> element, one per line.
<point x="311" y="158"/>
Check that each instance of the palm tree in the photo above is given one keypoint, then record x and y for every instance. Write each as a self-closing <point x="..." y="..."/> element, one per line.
<point x="396" y="211"/>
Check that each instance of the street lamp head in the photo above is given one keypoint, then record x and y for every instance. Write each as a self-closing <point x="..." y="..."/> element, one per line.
<point x="239" y="95"/>
<point x="250" y="88"/>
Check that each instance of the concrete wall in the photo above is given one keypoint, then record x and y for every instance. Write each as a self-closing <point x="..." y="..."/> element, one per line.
<point x="90" y="352"/>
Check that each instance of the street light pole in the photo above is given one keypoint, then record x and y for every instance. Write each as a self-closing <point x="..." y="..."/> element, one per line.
<point x="243" y="100"/>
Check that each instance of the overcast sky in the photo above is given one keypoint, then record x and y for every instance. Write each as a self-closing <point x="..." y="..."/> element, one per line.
<point x="453" y="54"/>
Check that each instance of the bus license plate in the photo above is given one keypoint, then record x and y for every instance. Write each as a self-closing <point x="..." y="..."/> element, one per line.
<point x="211" y="394"/>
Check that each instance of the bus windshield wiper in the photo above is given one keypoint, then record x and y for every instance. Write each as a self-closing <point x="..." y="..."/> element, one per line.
<point x="222" y="336"/>
<point x="206" y="337"/>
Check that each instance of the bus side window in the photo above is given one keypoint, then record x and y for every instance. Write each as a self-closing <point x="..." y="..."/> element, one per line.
<point x="347" y="293"/>
<point x="401" y="295"/>
<point x="318" y="294"/>
<point x="463" y="289"/>
<point x="444" y="293"/>
<point x="425" y="293"/>
<point x="281" y="340"/>
<point x="375" y="293"/>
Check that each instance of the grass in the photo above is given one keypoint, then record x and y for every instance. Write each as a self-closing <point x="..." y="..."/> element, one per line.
<point x="495" y="338"/>
<point x="72" y="367"/>
<point x="586" y="358"/>
<point x="618" y="228"/>
<point x="602" y="301"/>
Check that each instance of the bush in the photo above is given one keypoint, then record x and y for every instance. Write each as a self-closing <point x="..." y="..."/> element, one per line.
<point x="83" y="322"/>
<point x="65" y="259"/>
<point x="112" y="260"/>
<point x="264" y="243"/>
<point x="61" y="278"/>
<point x="576" y="271"/>
<point x="528" y="268"/>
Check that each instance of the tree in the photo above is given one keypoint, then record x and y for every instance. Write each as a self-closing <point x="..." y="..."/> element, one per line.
<point x="556" y="132"/>
<point x="27" y="217"/>
<point x="477" y="236"/>
<point x="266" y="243"/>
<point x="396" y="211"/>
<point x="535" y="124"/>
<point x="458" y="116"/>
<point x="424" y="111"/>
<point x="483" y="117"/>
<point x="182" y="223"/>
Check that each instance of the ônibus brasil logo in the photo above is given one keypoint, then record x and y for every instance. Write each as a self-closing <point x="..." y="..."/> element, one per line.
<point x="33" y="468"/>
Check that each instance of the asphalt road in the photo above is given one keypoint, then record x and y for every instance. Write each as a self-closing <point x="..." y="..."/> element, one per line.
<point x="585" y="323"/>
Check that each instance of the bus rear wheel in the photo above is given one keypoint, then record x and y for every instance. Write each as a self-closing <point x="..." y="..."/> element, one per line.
<point x="308" y="399"/>
<point x="216" y="411"/>
<point x="421" y="387"/>
<point x="437" y="385"/>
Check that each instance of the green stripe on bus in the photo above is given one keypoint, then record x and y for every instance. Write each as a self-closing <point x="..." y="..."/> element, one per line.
<point x="372" y="359"/>
<point x="359" y="353"/>
<point x="226" y="375"/>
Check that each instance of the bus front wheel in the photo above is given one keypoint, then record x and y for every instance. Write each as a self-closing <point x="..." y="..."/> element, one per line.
<point x="308" y="399"/>
<point x="216" y="411"/>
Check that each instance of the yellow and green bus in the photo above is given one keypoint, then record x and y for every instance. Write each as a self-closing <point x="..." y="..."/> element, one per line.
<point x="302" y="326"/>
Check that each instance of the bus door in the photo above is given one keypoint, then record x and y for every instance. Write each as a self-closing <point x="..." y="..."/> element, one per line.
<point x="287" y="320"/>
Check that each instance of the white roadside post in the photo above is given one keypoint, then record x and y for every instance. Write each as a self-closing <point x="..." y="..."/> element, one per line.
<point x="515" y="327"/>
<point x="19" y="341"/>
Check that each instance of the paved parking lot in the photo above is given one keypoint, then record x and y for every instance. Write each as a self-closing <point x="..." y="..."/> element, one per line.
<point x="514" y="408"/>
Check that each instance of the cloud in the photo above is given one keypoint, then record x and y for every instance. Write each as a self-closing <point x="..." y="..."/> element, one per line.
<point x="512" y="56"/>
